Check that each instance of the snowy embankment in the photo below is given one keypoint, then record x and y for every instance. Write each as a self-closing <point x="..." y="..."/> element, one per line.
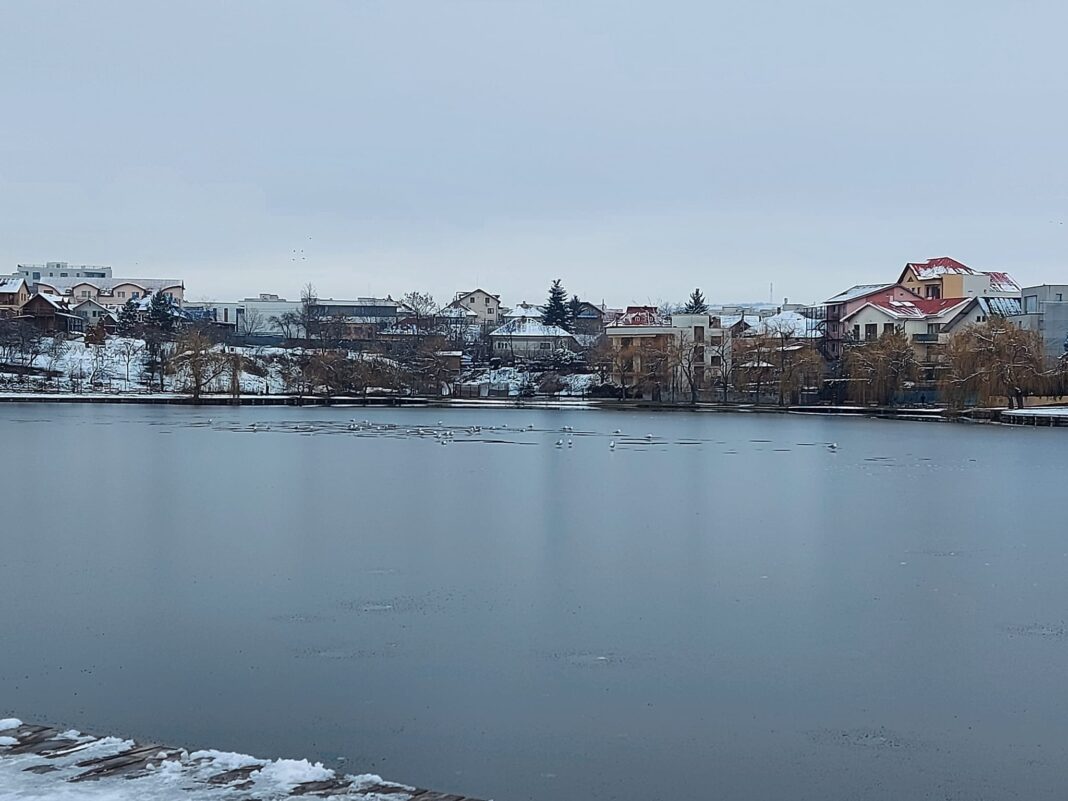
<point x="40" y="764"/>
<point x="120" y="365"/>
<point x="515" y="382"/>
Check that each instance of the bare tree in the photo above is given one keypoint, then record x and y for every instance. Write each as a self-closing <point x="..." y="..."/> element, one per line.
<point x="754" y="369"/>
<point x="197" y="362"/>
<point x="880" y="369"/>
<point x="99" y="365"/>
<point x="55" y="348"/>
<point x="310" y="313"/>
<point x="996" y="359"/>
<point x="423" y="308"/>
<point x="129" y="349"/>
<point x="251" y="323"/>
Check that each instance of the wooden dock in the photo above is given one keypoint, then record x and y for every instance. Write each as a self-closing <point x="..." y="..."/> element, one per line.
<point x="44" y="754"/>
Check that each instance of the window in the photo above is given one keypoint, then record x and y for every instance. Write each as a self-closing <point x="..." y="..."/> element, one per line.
<point x="1060" y="297"/>
<point x="545" y="345"/>
<point x="856" y="332"/>
<point x="888" y="328"/>
<point x="1031" y="304"/>
<point x="489" y="312"/>
<point x="62" y="275"/>
<point x="871" y="331"/>
<point x="135" y="295"/>
<point x="121" y="294"/>
<point x="934" y="292"/>
<point x="933" y="328"/>
<point x="487" y="301"/>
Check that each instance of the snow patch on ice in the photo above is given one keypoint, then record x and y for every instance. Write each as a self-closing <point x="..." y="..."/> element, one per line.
<point x="286" y="773"/>
<point x="8" y="741"/>
<point x="9" y="723"/>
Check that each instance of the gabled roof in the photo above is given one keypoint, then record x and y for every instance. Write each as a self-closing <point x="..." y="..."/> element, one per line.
<point x="11" y="283"/>
<point x="1003" y="282"/>
<point x="859" y="291"/>
<point x="461" y="295"/>
<point x="59" y="302"/>
<point x="990" y="307"/>
<point x="917" y="309"/>
<point x="636" y="316"/>
<point x="935" y="268"/>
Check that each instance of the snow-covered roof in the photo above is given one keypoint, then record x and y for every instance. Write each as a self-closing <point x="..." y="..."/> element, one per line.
<point x="935" y="268"/>
<point x="524" y="309"/>
<point x="788" y="323"/>
<point x="731" y="320"/>
<point x="59" y="301"/>
<point x="857" y="292"/>
<point x="640" y="316"/>
<point x="457" y="311"/>
<point x="107" y="285"/>
<point x="525" y="327"/>
<point x="914" y="309"/>
<point x="11" y="283"/>
<point x="1002" y="282"/>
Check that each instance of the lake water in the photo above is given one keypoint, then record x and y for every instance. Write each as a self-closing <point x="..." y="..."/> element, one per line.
<point x="729" y="610"/>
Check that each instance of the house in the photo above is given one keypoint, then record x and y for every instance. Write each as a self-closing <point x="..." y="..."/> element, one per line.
<point x="948" y="278"/>
<point x="836" y="309"/>
<point x="589" y="322"/>
<point x="980" y="310"/>
<point x="529" y="339"/>
<point x="14" y="292"/>
<point x="922" y="320"/>
<point x="482" y="303"/>
<point x="1045" y="309"/>
<point x="94" y="315"/>
<point x="647" y="350"/>
<point x="112" y="293"/>
<point x="51" y="314"/>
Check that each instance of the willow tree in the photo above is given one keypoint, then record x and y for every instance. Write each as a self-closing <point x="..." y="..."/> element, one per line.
<point x="880" y="370"/>
<point x="995" y="359"/>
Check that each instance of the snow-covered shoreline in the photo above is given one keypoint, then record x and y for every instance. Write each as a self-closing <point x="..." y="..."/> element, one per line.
<point x="43" y="764"/>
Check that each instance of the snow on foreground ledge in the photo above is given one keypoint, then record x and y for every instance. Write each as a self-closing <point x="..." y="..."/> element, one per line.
<point x="32" y="777"/>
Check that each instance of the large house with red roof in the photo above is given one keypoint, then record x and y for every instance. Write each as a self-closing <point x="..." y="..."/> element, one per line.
<point x="948" y="278"/>
<point x="922" y="320"/>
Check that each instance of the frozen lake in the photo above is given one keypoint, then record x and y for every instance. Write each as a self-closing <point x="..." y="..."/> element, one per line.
<point x="728" y="610"/>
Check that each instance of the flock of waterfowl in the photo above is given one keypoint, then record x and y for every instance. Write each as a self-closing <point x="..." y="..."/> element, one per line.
<point x="445" y="435"/>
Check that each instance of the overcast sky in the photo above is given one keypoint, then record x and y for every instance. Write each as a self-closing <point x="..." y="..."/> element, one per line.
<point x="633" y="149"/>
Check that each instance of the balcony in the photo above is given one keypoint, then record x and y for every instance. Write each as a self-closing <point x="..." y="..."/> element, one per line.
<point x="925" y="339"/>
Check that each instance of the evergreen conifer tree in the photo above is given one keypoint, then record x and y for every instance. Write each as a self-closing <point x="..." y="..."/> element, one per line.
<point x="128" y="317"/>
<point x="555" y="311"/>
<point x="695" y="304"/>
<point x="574" y="309"/>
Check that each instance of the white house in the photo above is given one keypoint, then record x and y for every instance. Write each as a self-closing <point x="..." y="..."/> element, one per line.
<point x="530" y="339"/>
<point x="482" y="303"/>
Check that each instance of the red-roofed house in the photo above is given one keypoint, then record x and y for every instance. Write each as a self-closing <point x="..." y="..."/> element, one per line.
<point x="948" y="278"/>
<point x="843" y="304"/>
<point x="922" y="320"/>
